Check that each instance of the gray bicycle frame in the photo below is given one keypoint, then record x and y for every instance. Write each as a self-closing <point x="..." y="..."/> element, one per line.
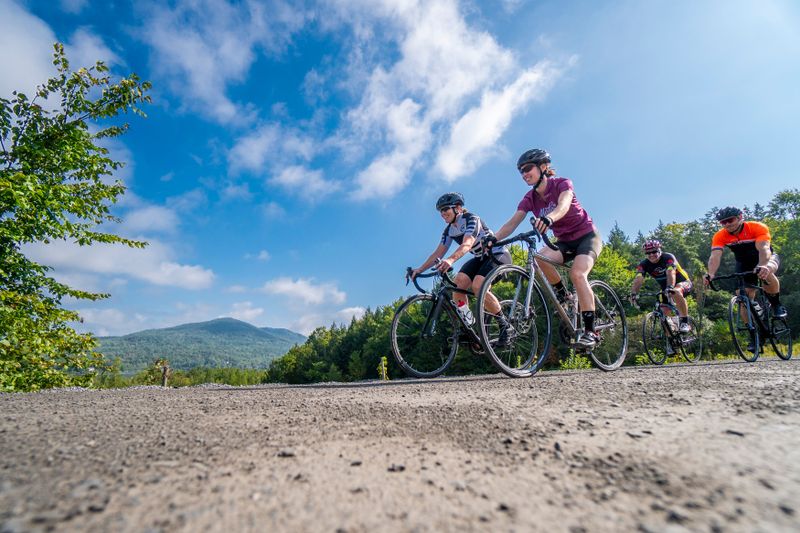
<point x="570" y="321"/>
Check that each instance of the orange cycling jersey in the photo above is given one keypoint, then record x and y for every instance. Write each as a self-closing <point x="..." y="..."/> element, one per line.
<point x="743" y="244"/>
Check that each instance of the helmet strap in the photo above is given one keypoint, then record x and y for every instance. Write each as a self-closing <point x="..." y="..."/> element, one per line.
<point x="541" y="177"/>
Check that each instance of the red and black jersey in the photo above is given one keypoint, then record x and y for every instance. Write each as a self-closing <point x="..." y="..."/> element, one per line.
<point x="659" y="269"/>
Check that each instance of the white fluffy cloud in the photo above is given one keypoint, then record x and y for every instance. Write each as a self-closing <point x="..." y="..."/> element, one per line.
<point x="203" y="46"/>
<point x="443" y="97"/>
<point x="107" y="322"/>
<point x="268" y="146"/>
<point x="85" y="49"/>
<point x="31" y="41"/>
<point x="305" y="290"/>
<point x="245" y="311"/>
<point x="453" y="90"/>
<point x="482" y="126"/>
<point x="150" y="218"/>
<point x="306" y="183"/>
<point x="153" y="264"/>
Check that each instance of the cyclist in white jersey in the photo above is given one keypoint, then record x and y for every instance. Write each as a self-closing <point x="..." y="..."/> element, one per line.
<point x="468" y="231"/>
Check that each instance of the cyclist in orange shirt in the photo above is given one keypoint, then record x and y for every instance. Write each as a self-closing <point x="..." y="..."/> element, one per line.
<point x="750" y="243"/>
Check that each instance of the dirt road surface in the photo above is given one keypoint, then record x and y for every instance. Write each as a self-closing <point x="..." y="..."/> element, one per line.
<point x="709" y="447"/>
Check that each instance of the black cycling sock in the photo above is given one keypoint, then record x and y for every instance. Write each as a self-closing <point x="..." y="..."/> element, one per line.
<point x="588" y="320"/>
<point x="501" y="319"/>
<point x="684" y="320"/>
<point x="774" y="299"/>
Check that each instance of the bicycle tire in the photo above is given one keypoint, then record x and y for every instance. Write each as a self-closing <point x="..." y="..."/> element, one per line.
<point x="692" y="343"/>
<point x="655" y="339"/>
<point x="611" y="325"/>
<point x="528" y="348"/>
<point x="419" y="355"/>
<point x="781" y="338"/>
<point x="743" y="332"/>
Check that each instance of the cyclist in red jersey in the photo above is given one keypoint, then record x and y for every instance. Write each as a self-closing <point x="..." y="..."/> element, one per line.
<point x="750" y="243"/>
<point x="552" y="200"/>
<point x="669" y="274"/>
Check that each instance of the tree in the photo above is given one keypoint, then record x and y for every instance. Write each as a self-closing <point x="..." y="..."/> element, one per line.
<point x="54" y="185"/>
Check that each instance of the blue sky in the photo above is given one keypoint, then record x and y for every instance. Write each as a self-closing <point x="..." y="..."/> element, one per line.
<point x="293" y="153"/>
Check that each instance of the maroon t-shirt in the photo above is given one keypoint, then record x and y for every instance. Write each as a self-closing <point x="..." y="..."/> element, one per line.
<point x="574" y="225"/>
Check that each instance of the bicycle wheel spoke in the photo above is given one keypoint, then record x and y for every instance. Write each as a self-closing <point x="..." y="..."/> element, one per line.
<point x="745" y="334"/>
<point x="422" y="347"/>
<point x="655" y="339"/>
<point x="518" y="350"/>
<point x="612" y="327"/>
<point x="780" y="341"/>
<point x="692" y="342"/>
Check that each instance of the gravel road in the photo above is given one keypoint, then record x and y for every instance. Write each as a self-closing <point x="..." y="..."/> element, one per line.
<point x="707" y="447"/>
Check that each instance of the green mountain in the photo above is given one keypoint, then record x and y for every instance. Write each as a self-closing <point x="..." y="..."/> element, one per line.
<point x="224" y="342"/>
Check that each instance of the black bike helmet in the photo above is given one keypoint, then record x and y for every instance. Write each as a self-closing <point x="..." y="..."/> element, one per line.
<point x="449" y="199"/>
<point x="728" y="212"/>
<point x="535" y="155"/>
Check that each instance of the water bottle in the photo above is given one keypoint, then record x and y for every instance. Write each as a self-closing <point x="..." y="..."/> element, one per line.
<point x="466" y="314"/>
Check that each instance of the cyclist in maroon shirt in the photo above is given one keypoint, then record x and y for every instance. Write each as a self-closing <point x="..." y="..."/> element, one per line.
<point x="552" y="200"/>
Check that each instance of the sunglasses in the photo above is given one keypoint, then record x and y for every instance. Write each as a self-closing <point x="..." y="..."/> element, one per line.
<point x="727" y="221"/>
<point x="652" y="253"/>
<point x="524" y="169"/>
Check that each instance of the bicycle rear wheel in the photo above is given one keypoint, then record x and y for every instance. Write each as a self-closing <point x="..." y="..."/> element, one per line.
<point x="692" y="342"/>
<point x="424" y="345"/>
<point x="746" y="337"/>
<point x="780" y="340"/>
<point x="654" y="338"/>
<point x="527" y="345"/>
<point x="610" y="324"/>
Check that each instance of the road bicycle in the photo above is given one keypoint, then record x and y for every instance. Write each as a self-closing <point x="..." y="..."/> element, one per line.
<point x="661" y="334"/>
<point x="521" y="293"/>
<point x="752" y="324"/>
<point x="427" y="329"/>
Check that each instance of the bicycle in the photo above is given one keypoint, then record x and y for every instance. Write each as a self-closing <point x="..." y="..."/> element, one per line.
<point x="526" y="309"/>
<point x="427" y="330"/>
<point x="661" y="335"/>
<point x="751" y="322"/>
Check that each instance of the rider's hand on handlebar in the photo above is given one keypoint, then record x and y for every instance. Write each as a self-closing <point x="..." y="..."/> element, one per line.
<point x="633" y="298"/>
<point x="707" y="279"/>
<point x="542" y="223"/>
<point x="489" y="241"/>
<point x="762" y="272"/>
<point x="444" y="265"/>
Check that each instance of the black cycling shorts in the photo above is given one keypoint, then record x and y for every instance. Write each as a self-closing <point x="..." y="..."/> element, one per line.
<point x="749" y="266"/>
<point x="685" y="287"/>
<point x="590" y="244"/>
<point x="481" y="266"/>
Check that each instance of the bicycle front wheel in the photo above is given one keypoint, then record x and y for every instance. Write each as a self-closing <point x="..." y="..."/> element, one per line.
<point x="654" y="338"/>
<point x="610" y="324"/>
<point x="780" y="339"/>
<point x="521" y="349"/>
<point x="692" y="342"/>
<point x="746" y="337"/>
<point x="424" y="344"/>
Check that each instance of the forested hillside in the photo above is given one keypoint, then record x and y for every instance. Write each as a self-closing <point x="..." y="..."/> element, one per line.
<point x="353" y="352"/>
<point x="224" y="342"/>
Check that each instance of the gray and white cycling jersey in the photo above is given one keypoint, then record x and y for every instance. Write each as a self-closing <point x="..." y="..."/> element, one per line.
<point x="468" y="224"/>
